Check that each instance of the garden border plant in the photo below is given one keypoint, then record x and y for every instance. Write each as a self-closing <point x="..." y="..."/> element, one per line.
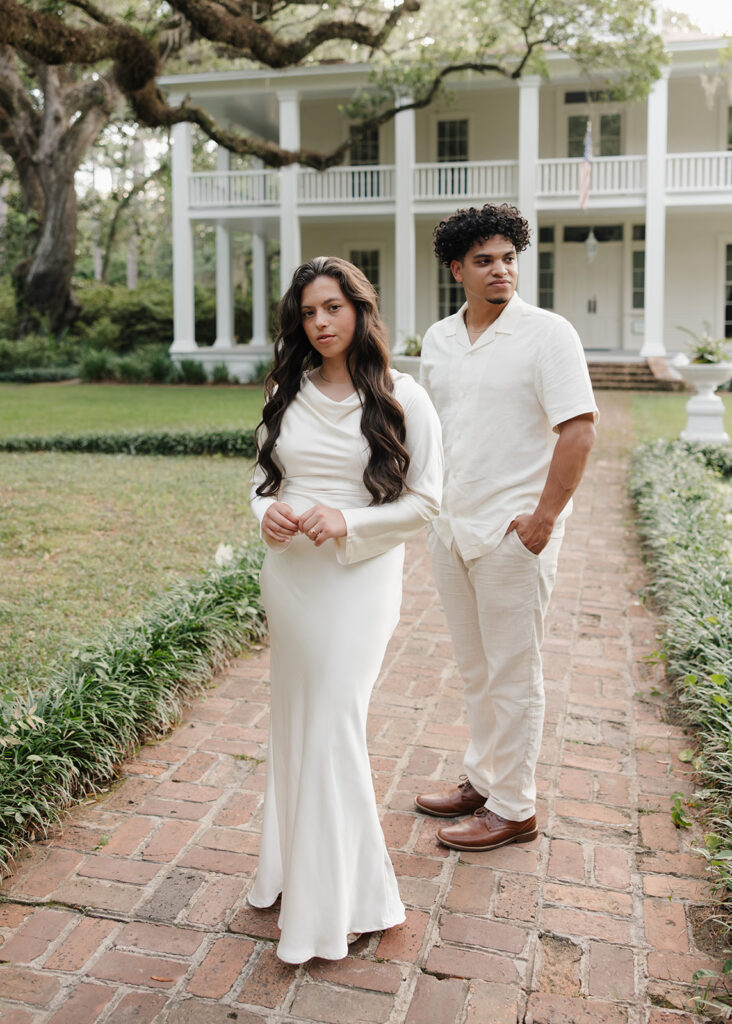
<point x="684" y="513"/>
<point x="141" y="442"/>
<point x="124" y="687"/>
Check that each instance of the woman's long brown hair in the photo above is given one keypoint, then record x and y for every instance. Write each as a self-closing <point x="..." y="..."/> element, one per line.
<point x="367" y="360"/>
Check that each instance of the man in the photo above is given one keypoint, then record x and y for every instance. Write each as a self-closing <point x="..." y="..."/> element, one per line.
<point x="511" y="387"/>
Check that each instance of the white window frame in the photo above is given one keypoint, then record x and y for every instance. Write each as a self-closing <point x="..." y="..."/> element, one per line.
<point x="594" y="111"/>
<point x="452" y="115"/>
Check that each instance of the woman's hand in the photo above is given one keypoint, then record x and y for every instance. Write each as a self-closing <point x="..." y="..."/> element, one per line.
<point x="320" y="523"/>
<point x="279" y="522"/>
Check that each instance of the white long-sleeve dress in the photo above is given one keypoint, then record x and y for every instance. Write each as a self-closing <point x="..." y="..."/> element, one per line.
<point x="331" y="611"/>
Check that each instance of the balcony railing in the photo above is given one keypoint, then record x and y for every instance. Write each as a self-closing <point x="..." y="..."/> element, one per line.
<point x="234" y="188"/>
<point x="346" y="184"/>
<point x="488" y="179"/>
<point x="699" y="172"/>
<point x="482" y="180"/>
<point x="611" y="175"/>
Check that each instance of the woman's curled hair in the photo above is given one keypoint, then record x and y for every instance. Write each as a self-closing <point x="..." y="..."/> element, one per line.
<point x="367" y="360"/>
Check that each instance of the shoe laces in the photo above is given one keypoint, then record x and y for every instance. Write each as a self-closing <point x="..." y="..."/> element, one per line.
<point x="465" y="783"/>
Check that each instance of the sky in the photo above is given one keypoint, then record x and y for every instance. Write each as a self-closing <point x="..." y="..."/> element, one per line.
<point x="710" y="15"/>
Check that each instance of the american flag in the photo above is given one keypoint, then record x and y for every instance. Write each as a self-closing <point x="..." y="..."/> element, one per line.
<point x="586" y="169"/>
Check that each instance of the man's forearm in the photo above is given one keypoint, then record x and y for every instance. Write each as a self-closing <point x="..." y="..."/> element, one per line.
<point x="567" y="467"/>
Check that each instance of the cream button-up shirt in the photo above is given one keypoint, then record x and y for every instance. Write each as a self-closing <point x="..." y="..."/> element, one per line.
<point x="500" y="401"/>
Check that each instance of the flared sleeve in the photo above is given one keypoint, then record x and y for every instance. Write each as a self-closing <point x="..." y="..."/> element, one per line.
<point x="374" y="529"/>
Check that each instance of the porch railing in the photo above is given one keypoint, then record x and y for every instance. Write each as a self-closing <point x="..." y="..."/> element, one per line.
<point x="346" y="184"/>
<point x="611" y="175"/>
<point x="698" y="172"/>
<point x="491" y="179"/>
<point x="234" y="188"/>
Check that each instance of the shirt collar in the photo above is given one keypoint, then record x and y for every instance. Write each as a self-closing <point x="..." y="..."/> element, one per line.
<point x="506" y="323"/>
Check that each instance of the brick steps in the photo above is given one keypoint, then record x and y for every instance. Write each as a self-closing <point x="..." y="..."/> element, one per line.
<point x="614" y="376"/>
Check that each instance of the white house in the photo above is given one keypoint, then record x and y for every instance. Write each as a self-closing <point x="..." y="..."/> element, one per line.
<point x="652" y="249"/>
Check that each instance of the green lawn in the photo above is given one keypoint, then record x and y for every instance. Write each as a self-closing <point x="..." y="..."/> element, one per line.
<point x="86" y="408"/>
<point x="664" y="415"/>
<point x="87" y="539"/>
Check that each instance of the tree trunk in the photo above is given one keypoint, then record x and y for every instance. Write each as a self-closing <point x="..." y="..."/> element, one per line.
<point x="43" y="281"/>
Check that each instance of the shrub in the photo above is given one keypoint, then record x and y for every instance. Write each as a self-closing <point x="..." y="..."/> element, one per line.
<point x="39" y="375"/>
<point x="101" y="333"/>
<point x="260" y="371"/>
<point x="220" y="374"/>
<point x="33" y="351"/>
<point x="128" y="685"/>
<point x="145" y="442"/>
<point x="97" y="365"/>
<point x="684" y="513"/>
<point x="192" y="372"/>
<point x="160" y="368"/>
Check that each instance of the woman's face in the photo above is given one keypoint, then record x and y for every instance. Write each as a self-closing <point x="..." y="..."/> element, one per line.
<point x="328" y="317"/>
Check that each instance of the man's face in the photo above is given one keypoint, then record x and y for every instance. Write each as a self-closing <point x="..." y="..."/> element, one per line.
<point x="489" y="271"/>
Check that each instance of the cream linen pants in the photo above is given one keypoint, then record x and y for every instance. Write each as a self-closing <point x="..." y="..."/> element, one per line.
<point x="495" y="607"/>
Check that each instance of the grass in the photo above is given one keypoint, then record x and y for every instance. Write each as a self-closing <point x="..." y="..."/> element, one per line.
<point x="659" y="415"/>
<point x="86" y="540"/>
<point x="70" y="408"/>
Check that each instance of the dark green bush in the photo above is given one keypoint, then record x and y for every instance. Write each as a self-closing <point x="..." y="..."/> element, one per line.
<point x="97" y="365"/>
<point x="39" y="375"/>
<point x="131" y="369"/>
<point x="145" y="442"/>
<point x="220" y="374"/>
<point x="192" y="372"/>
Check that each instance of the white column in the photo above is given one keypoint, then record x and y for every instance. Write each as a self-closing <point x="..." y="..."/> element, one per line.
<point x="290" y="253"/>
<point x="224" y="291"/>
<point x="184" y="321"/>
<point x="260" y="311"/>
<point x="528" y="160"/>
<point x="655" y="261"/>
<point x="405" y="282"/>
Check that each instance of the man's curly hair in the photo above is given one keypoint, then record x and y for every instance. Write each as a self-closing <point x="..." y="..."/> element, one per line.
<point x="459" y="232"/>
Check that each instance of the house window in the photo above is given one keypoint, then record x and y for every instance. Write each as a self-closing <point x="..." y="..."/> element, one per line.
<point x="608" y="143"/>
<point x="639" y="279"/>
<point x="603" y="233"/>
<point x="610" y="135"/>
<point x="546" y="280"/>
<point x="365" y="149"/>
<point x="367" y="260"/>
<point x="450" y="293"/>
<point x="729" y="128"/>
<point x="728" y="293"/>
<point x="576" y="128"/>
<point x="452" y="141"/>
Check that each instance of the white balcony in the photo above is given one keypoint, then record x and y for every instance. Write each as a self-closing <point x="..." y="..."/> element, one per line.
<point x="346" y="185"/>
<point x="699" y="178"/>
<point x="481" y="180"/>
<point x="705" y="177"/>
<point x="233" y="189"/>
<point x="612" y="176"/>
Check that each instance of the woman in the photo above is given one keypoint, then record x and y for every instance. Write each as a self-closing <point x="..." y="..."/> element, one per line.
<point x="349" y="466"/>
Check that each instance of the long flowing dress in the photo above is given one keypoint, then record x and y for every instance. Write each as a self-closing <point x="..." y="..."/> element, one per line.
<point x="331" y="611"/>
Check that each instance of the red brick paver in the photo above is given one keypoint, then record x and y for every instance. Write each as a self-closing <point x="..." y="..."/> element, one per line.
<point x="135" y="911"/>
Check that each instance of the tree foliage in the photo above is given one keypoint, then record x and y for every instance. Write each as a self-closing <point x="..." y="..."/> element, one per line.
<point x="69" y="67"/>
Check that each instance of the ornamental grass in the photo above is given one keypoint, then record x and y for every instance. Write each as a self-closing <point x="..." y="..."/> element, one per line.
<point x="124" y="687"/>
<point x="685" y="519"/>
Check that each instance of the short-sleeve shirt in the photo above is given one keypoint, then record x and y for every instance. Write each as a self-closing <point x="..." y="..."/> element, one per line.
<point x="500" y="401"/>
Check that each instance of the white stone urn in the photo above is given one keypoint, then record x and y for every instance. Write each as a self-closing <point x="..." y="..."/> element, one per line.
<point x="705" y="409"/>
<point x="406" y="364"/>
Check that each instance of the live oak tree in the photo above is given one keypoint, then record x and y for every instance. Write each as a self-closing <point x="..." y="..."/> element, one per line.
<point x="68" y="67"/>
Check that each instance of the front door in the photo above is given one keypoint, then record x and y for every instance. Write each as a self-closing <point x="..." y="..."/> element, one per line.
<point x="590" y="294"/>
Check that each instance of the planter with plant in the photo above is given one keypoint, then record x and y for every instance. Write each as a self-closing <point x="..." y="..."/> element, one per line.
<point x="705" y="367"/>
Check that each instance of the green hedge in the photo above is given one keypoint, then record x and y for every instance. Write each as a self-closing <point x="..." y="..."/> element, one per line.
<point x="142" y="442"/>
<point x="685" y="515"/>
<point x="125" y="687"/>
<point x="39" y="375"/>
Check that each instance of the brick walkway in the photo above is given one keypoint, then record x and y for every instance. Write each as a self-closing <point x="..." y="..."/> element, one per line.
<point x="135" y="912"/>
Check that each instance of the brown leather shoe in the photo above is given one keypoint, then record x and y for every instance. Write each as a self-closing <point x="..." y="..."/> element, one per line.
<point x="487" y="830"/>
<point x="452" y="803"/>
